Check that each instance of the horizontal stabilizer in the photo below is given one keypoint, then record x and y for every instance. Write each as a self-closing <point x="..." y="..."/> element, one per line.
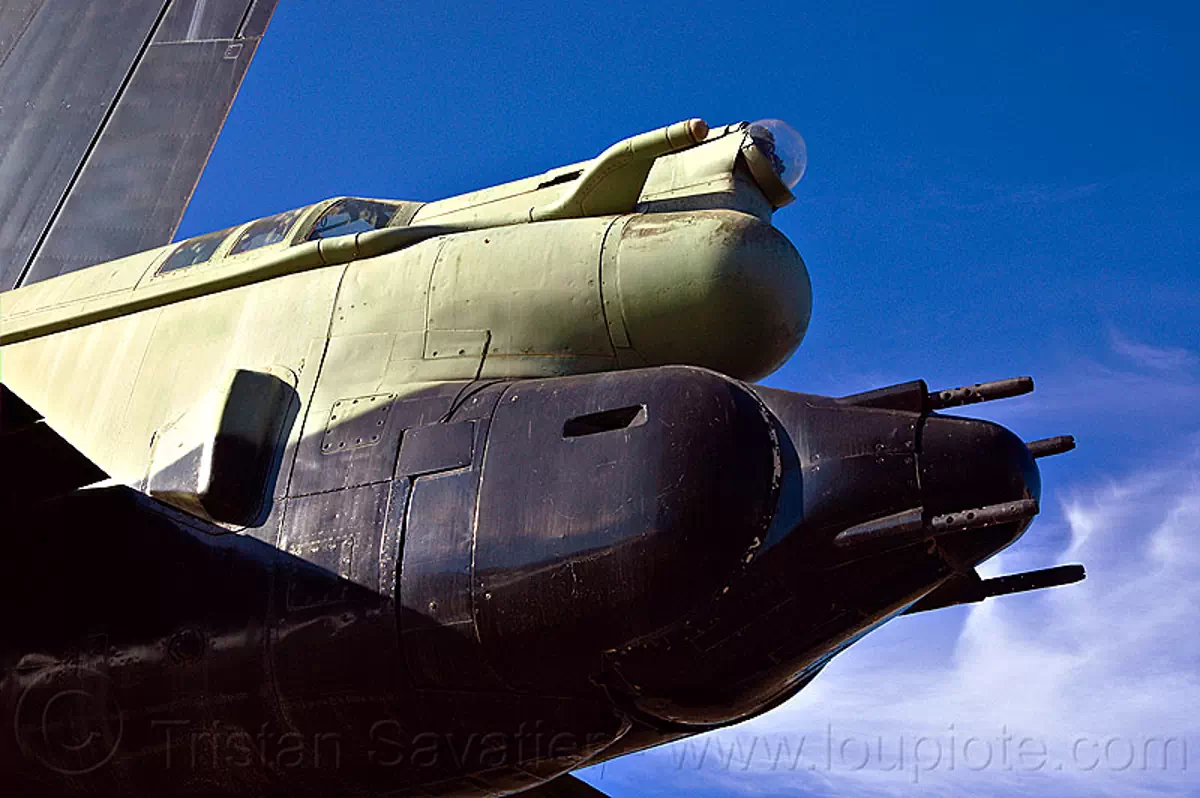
<point x="565" y="787"/>
<point x="38" y="463"/>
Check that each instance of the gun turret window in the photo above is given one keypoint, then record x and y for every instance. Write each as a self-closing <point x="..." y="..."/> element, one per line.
<point x="352" y="215"/>
<point x="265" y="232"/>
<point x="193" y="251"/>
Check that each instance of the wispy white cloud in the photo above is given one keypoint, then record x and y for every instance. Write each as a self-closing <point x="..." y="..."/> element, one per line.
<point x="1150" y="381"/>
<point x="1147" y="356"/>
<point x="1091" y="689"/>
<point x="1130" y="376"/>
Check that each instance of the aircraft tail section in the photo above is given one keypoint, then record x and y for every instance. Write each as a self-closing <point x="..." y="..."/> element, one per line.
<point x="108" y="113"/>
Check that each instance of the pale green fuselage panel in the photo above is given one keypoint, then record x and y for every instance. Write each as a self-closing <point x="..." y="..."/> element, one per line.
<point x="659" y="251"/>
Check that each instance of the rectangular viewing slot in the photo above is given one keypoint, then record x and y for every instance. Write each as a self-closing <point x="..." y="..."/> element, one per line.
<point x="605" y="421"/>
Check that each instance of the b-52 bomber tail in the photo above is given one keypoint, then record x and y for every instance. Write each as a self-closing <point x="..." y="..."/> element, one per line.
<point x="378" y="497"/>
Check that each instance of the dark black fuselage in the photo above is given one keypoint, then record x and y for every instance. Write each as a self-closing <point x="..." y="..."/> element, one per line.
<point x="510" y="580"/>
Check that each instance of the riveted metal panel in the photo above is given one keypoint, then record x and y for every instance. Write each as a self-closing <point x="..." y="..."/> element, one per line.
<point x="456" y="343"/>
<point x="437" y="619"/>
<point x="319" y="469"/>
<point x="390" y="541"/>
<point x="339" y="531"/>
<point x="335" y="636"/>
<point x="357" y="422"/>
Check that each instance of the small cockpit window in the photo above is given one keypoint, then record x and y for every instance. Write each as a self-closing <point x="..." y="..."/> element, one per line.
<point x="265" y="232"/>
<point x="193" y="251"/>
<point x="352" y="215"/>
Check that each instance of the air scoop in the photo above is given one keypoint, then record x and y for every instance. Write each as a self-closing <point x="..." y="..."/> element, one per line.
<point x="613" y="182"/>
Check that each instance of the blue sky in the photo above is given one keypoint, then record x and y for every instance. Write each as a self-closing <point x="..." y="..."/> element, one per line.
<point x="990" y="192"/>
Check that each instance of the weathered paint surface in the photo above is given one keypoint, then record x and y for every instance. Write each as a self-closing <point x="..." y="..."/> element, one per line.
<point x="717" y="288"/>
<point x="612" y="559"/>
<point x="489" y="511"/>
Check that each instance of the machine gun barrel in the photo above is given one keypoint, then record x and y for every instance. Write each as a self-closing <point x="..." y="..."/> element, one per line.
<point x="1048" y="447"/>
<point x="980" y="392"/>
